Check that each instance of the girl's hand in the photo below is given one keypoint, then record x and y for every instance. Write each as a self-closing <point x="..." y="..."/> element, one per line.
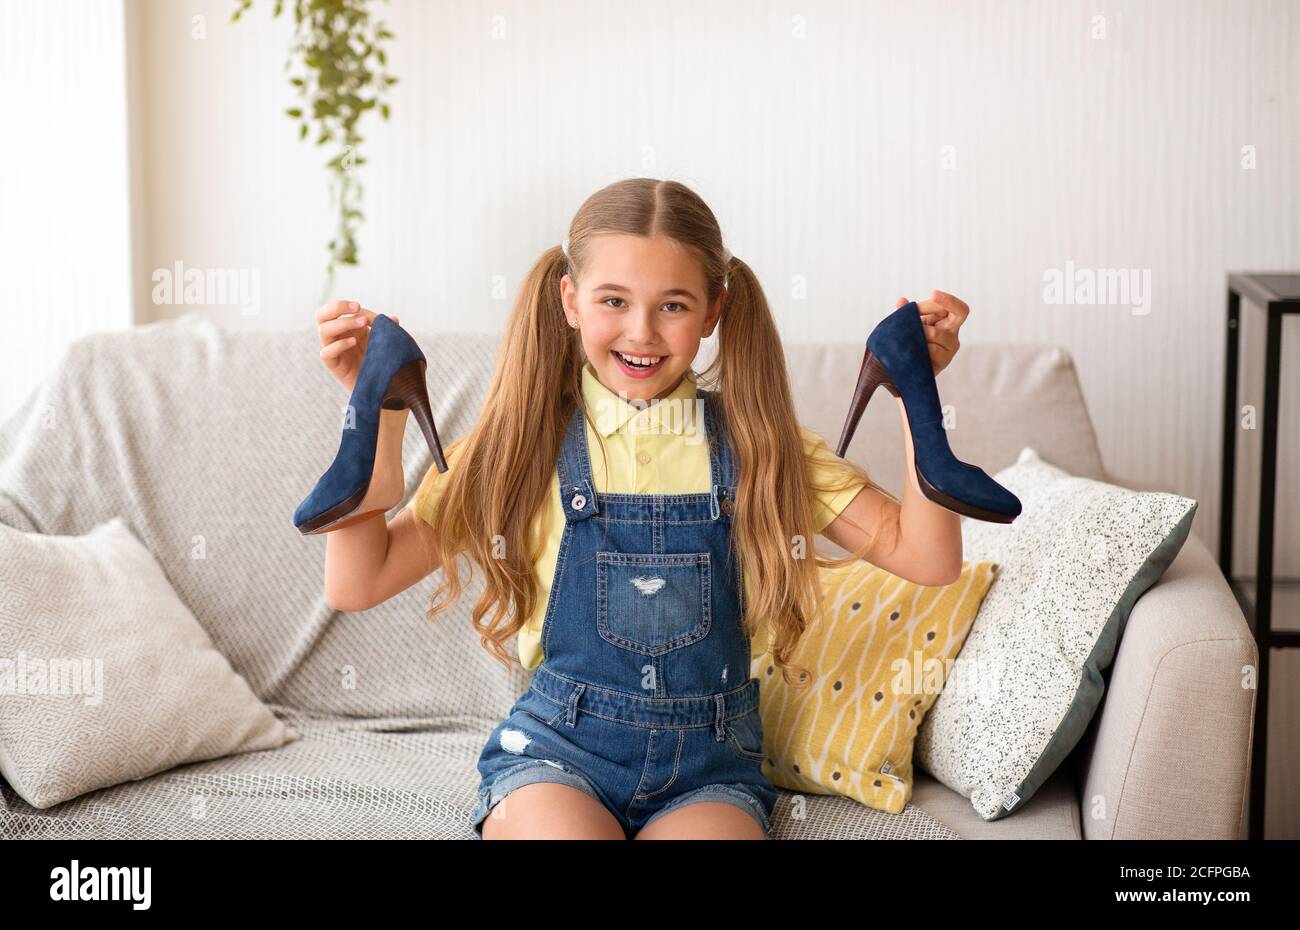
<point x="344" y="327"/>
<point x="941" y="317"/>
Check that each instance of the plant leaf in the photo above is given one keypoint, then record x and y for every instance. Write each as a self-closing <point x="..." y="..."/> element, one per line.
<point x="334" y="42"/>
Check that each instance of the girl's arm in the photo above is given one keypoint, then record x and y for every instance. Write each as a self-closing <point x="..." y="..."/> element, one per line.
<point x="369" y="561"/>
<point x="920" y="541"/>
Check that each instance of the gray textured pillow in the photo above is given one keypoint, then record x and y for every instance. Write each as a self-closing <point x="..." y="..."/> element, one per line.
<point x="105" y="675"/>
<point x="1028" y="679"/>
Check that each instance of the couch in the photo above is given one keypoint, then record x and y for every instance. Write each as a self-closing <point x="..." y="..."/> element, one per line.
<point x="197" y="432"/>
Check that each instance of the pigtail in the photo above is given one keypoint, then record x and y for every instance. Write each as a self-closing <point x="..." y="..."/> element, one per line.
<point x="504" y="470"/>
<point x="773" y="525"/>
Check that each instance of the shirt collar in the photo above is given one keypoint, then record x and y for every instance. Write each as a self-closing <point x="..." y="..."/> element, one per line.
<point x="611" y="412"/>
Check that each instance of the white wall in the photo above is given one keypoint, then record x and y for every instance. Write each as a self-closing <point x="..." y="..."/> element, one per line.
<point x="64" y="223"/>
<point x="817" y="132"/>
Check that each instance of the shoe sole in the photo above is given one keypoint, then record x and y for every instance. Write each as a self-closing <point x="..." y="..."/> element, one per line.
<point x="339" y="516"/>
<point x="960" y="507"/>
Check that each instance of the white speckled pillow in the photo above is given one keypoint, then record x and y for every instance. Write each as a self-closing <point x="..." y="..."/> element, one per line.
<point x="1028" y="679"/>
<point x="105" y="675"/>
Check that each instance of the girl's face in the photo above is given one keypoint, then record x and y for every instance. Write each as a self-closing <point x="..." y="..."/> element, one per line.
<point x="640" y="297"/>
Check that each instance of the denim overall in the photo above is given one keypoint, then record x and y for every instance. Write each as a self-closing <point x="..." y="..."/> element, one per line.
<point x="643" y="699"/>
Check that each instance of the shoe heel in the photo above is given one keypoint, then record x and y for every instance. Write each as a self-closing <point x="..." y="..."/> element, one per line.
<point x="871" y="375"/>
<point x="407" y="390"/>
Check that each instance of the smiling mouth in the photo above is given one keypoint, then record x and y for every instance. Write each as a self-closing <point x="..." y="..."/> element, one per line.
<point x="634" y="369"/>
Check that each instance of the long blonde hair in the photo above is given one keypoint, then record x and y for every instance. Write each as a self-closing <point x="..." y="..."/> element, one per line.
<point x="505" y="466"/>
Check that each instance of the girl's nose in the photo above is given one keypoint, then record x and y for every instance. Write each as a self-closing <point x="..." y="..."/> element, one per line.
<point x="641" y="328"/>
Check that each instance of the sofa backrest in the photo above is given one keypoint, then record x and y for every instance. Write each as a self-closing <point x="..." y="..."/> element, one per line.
<point x="205" y="439"/>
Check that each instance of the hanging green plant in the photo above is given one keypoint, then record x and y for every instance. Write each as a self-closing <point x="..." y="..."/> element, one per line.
<point x="341" y="74"/>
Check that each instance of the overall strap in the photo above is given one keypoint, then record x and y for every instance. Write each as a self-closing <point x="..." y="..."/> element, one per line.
<point x="577" y="492"/>
<point x="721" y="457"/>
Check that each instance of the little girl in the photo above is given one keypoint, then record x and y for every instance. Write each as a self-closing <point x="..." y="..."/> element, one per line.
<point x="636" y="580"/>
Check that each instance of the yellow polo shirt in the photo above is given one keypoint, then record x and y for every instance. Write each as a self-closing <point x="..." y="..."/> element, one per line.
<point x="658" y="449"/>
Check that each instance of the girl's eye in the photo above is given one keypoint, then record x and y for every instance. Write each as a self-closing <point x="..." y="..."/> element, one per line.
<point x="608" y="299"/>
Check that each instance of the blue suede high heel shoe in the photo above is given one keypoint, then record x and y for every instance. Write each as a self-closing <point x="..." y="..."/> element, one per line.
<point x="391" y="378"/>
<point x="897" y="357"/>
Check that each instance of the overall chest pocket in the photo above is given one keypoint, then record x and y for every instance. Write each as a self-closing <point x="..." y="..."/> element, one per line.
<point x="653" y="603"/>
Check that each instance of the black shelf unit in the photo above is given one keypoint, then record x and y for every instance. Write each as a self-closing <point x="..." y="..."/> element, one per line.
<point x="1275" y="294"/>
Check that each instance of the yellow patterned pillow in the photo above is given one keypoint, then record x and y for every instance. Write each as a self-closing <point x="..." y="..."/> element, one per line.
<point x="879" y="655"/>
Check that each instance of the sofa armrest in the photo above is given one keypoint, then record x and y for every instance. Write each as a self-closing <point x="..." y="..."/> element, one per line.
<point x="1168" y="755"/>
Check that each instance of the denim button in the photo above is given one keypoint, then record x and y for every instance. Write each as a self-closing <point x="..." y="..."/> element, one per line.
<point x="727" y="506"/>
<point x="578" y="502"/>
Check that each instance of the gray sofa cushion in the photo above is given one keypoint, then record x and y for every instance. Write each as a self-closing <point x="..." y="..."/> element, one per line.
<point x="398" y="778"/>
